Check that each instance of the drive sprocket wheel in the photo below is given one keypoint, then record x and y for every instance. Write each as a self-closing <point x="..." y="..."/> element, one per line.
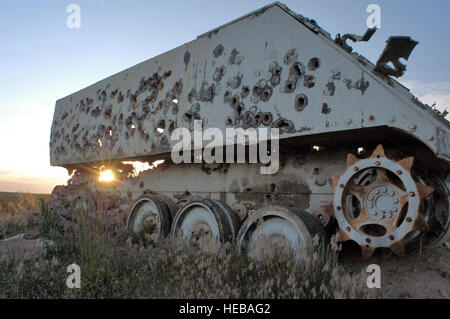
<point x="377" y="202"/>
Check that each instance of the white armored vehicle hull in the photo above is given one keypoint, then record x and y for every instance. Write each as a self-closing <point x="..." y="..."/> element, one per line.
<point x="357" y="150"/>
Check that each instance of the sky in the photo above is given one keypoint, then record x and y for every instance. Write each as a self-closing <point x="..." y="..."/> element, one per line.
<point x="42" y="60"/>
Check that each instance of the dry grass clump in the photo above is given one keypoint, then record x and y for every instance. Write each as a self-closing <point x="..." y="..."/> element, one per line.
<point x="19" y="215"/>
<point x="134" y="266"/>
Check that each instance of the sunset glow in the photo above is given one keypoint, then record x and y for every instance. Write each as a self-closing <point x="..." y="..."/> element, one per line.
<point x="106" y="176"/>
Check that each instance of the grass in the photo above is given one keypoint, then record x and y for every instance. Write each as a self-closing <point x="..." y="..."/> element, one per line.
<point x="127" y="266"/>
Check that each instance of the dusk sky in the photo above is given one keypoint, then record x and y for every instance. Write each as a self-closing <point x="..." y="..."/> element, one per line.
<point x="42" y="60"/>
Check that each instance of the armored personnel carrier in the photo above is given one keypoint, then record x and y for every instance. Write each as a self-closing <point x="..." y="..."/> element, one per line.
<point x="359" y="155"/>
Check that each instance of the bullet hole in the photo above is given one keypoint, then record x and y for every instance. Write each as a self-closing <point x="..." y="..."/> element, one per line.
<point x="227" y="97"/>
<point x="256" y="91"/>
<point x="275" y="80"/>
<point x="291" y="56"/>
<point x="239" y="109"/>
<point x="245" y="91"/>
<point x="159" y="106"/>
<point x="301" y="101"/>
<point x="101" y="96"/>
<point x="120" y="98"/>
<point x="229" y="121"/>
<point x="171" y="127"/>
<point x="195" y="108"/>
<point x="219" y="73"/>
<point x="177" y="88"/>
<point x="234" y="101"/>
<point x="284" y="125"/>
<point x="108" y="112"/>
<point x="275" y="69"/>
<point x="266" y="94"/>
<point x="262" y="84"/>
<point x="316" y="171"/>
<point x="247" y="118"/>
<point x="235" y="81"/>
<point x="266" y="118"/>
<point x="257" y="118"/>
<point x="309" y="81"/>
<point x="207" y="92"/>
<point x="113" y="93"/>
<point x="253" y="109"/>
<point x="75" y="128"/>
<point x="187" y="58"/>
<point x="164" y="142"/>
<point x="329" y="89"/>
<point x="96" y="112"/>
<point x="296" y="72"/>
<point x="218" y="51"/>
<point x="325" y="108"/>
<point x="289" y="87"/>
<point x="362" y="85"/>
<point x="235" y="57"/>
<point x="152" y="97"/>
<point x="313" y="64"/>
<point x="175" y="108"/>
<point x="165" y="75"/>
<point x="160" y="128"/>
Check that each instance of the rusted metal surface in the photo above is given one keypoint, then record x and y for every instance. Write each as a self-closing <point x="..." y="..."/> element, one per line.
<point x="377" y="202"/>
<point x="270" y="68"/>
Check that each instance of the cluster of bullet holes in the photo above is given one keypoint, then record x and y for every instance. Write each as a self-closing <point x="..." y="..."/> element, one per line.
<point x="261" y="91"/>
<point x="296" y="73"/>
<point x="275" y="71"/>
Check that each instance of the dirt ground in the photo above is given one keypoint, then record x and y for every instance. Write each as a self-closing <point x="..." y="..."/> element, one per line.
<point x="419" y="275"/>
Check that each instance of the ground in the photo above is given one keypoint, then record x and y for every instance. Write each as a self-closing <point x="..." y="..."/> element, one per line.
<point x="418" y="275"/>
